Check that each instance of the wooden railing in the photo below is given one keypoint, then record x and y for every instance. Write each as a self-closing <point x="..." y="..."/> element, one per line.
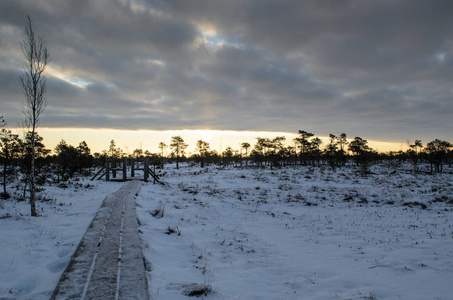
<point x="112" y="166"/>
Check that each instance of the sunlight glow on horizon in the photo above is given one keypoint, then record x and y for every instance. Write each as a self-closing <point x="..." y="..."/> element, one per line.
<point x="129" y="140"/>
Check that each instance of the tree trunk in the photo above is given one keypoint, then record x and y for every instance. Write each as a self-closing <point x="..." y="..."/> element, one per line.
<point x="33" y="83"/>
<point x="32" y="173"/>
<point x="4" y="179"/>
<point x="177" y="157"/>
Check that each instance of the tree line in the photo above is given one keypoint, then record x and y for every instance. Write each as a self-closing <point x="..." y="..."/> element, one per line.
<point x="66" y="160"/>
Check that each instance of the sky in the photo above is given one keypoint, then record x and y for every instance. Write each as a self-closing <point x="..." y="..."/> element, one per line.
<point x="381" y="70"/>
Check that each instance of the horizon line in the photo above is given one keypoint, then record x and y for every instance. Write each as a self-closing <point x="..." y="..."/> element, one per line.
<point x="137" y="138"/>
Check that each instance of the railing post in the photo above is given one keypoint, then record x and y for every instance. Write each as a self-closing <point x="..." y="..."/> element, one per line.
<point x="107" y="169"/>
<point x="146" y="169"/>
<point x="132" y="167"/>
<point x="114" y="168"/>
<point x="124" y="169"/>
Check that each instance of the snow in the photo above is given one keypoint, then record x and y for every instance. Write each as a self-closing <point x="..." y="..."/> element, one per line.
<point x="298" y="233"/>
<point x="291" y="233"/>
<point x="35" y="251"/>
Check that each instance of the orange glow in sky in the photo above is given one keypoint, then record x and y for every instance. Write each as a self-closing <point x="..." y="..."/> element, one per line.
<point x="129" y="140"/>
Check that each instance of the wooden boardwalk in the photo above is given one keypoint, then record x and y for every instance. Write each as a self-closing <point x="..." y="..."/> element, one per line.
<point x="108" y="263"/>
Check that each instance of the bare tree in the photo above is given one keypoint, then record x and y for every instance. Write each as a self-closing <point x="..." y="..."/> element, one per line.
<point x="33" y="82"/>
<point x="2" y="121"/>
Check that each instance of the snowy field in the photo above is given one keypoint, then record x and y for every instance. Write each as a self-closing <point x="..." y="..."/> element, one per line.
<point x="298" y="233"/>
<point x="35" y="251"/>
<point x="292" y="233"/>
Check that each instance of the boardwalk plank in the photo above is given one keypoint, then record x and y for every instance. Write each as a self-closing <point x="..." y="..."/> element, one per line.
<point x="94" y="268"/>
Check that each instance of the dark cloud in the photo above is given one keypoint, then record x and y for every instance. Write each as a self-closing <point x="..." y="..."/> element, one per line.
<point x="380" y="69"/>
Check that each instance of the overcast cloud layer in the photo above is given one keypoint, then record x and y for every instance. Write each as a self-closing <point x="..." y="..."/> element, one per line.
<point x="376" y="69"/>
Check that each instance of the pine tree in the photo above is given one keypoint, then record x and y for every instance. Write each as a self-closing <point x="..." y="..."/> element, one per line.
<point x="178" y="146"/>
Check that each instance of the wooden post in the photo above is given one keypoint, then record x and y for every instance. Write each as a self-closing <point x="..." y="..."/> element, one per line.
<point x="107" y="169"/>
<point x="124" y="169"/>
<point x="132" y="167"/>
<point x="99" y="172"/>
<point x="146" y="169"/>
<point x="114" y="168"/>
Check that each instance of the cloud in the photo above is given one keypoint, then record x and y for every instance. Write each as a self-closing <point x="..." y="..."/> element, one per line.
<point x="382" y="70"/>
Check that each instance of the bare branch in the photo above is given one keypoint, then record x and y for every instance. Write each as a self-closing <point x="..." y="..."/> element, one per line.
<point x="33" y="82"/>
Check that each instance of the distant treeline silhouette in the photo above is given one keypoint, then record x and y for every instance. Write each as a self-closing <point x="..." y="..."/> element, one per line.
<point x="306" y="150"/>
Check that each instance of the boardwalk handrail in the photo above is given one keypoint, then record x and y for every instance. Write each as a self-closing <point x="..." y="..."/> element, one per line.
<point x="111" y="166"/>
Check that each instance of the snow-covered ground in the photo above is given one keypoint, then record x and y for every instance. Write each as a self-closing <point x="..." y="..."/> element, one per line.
<point x="292" y="233"/>
<point x="299" y="233"/>
<point x="35" y="251"/>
